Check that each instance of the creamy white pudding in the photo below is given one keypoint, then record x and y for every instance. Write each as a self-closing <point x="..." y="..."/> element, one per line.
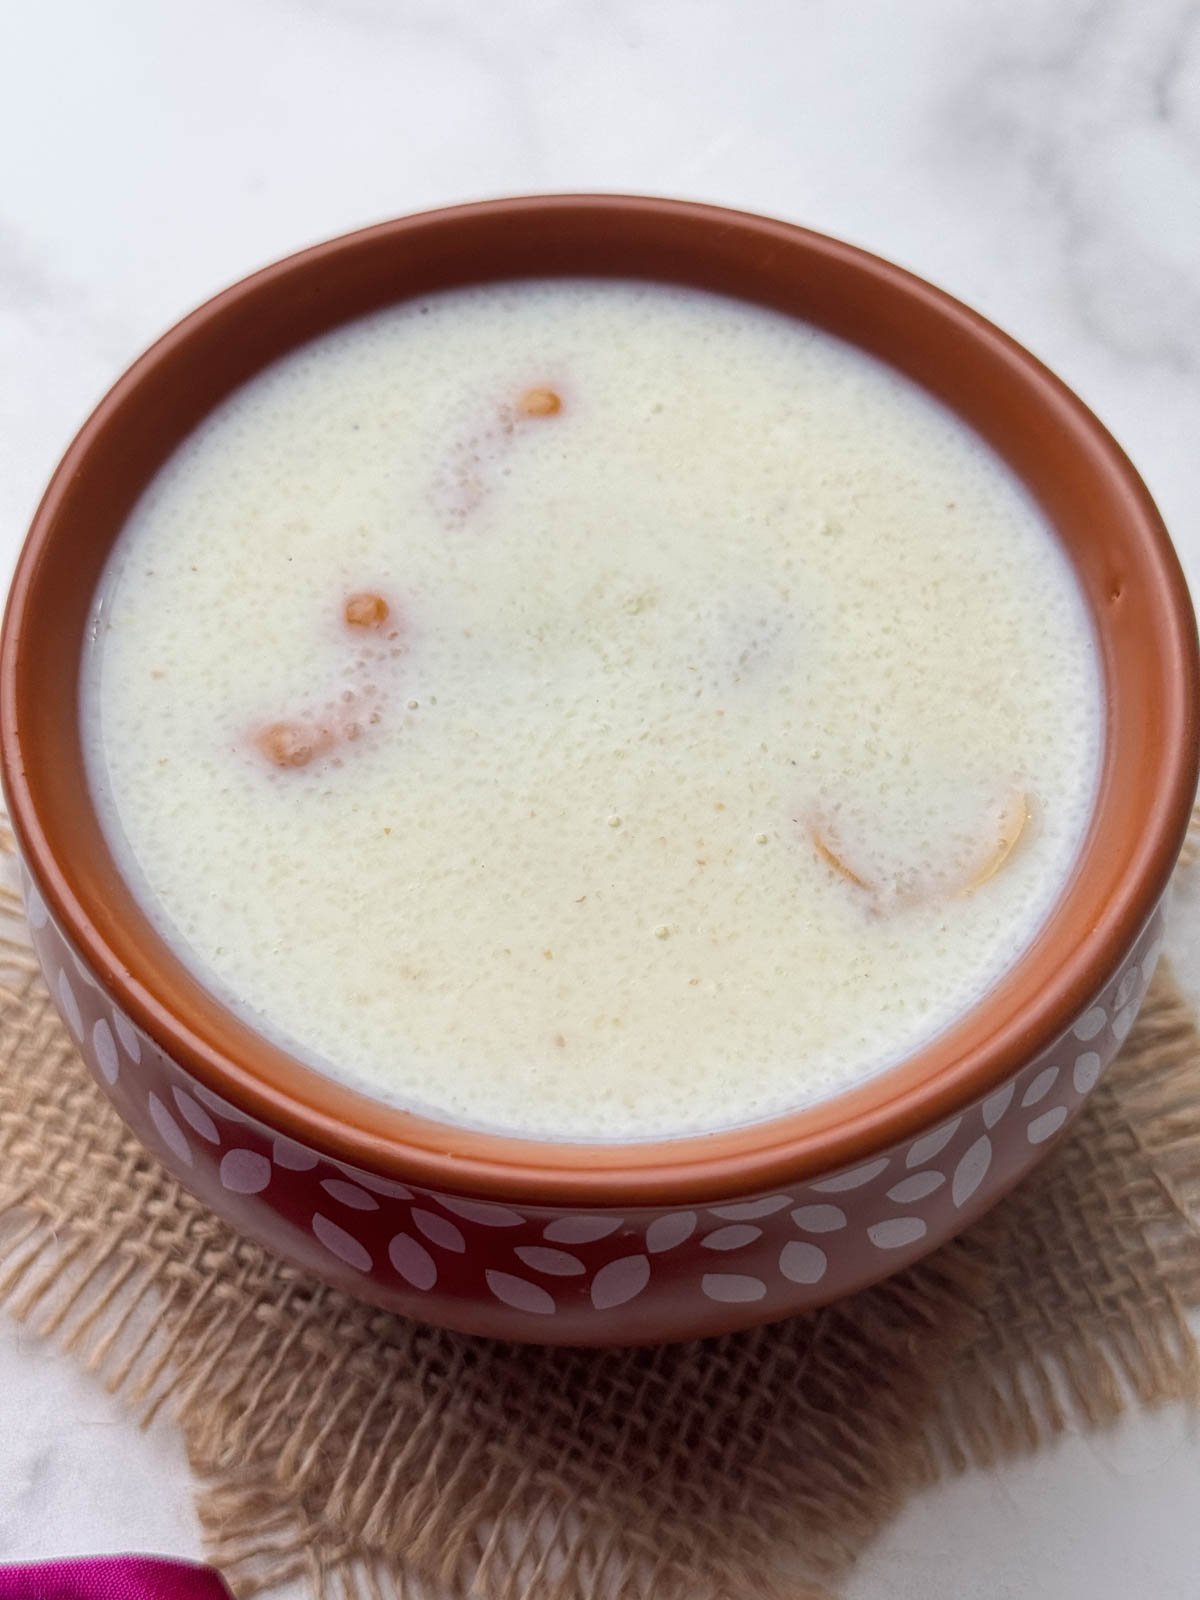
<point x="592" y="710"/>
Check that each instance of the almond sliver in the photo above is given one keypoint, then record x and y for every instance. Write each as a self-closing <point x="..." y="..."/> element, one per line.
<point x="831" y="859"/>
<point x="1013" y="822"/>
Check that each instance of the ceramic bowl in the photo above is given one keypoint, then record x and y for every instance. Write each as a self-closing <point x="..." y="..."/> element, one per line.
<point x="606" y="1244"/>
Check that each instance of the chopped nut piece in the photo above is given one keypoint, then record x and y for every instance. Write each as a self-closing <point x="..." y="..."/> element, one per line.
<point x="831" y="859"/>
<point x="366" y="610"/>
<point x="540" y="403"/>
<point x="293" y="744"/>
<point x="1013" y="822"/>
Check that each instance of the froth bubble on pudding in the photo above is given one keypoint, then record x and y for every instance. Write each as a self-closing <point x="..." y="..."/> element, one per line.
<point x="591" y="710"/>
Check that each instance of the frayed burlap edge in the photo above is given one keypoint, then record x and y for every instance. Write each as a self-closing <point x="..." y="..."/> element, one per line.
<point x="371" y="1455"/>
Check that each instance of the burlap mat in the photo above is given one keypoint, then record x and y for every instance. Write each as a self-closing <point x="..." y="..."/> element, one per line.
<point x="386" y="1459"/>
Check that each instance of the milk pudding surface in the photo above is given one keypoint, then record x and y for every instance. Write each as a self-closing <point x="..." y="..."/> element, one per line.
<point x="591" y="710"/>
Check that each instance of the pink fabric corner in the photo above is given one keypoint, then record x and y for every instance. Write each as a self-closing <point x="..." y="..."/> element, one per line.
<point x="112" y="1578"/>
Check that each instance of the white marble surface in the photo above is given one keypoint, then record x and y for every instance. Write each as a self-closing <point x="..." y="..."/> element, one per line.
<point x="1040" y="158"/>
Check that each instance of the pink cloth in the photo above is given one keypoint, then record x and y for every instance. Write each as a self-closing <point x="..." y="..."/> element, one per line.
<point x="112" y="1578"/>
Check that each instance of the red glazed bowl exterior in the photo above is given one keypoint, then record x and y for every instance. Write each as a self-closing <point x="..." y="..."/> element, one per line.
<point x="605" y="1244"/>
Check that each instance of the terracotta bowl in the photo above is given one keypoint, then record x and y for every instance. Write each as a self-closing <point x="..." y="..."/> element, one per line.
<point x="600" y="1243"/>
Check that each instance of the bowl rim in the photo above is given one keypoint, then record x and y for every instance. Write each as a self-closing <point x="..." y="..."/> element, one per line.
<point x="849" y="1129"/>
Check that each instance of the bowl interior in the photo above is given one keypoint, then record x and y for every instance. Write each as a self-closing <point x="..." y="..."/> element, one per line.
<point x="1083" y="482"/>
